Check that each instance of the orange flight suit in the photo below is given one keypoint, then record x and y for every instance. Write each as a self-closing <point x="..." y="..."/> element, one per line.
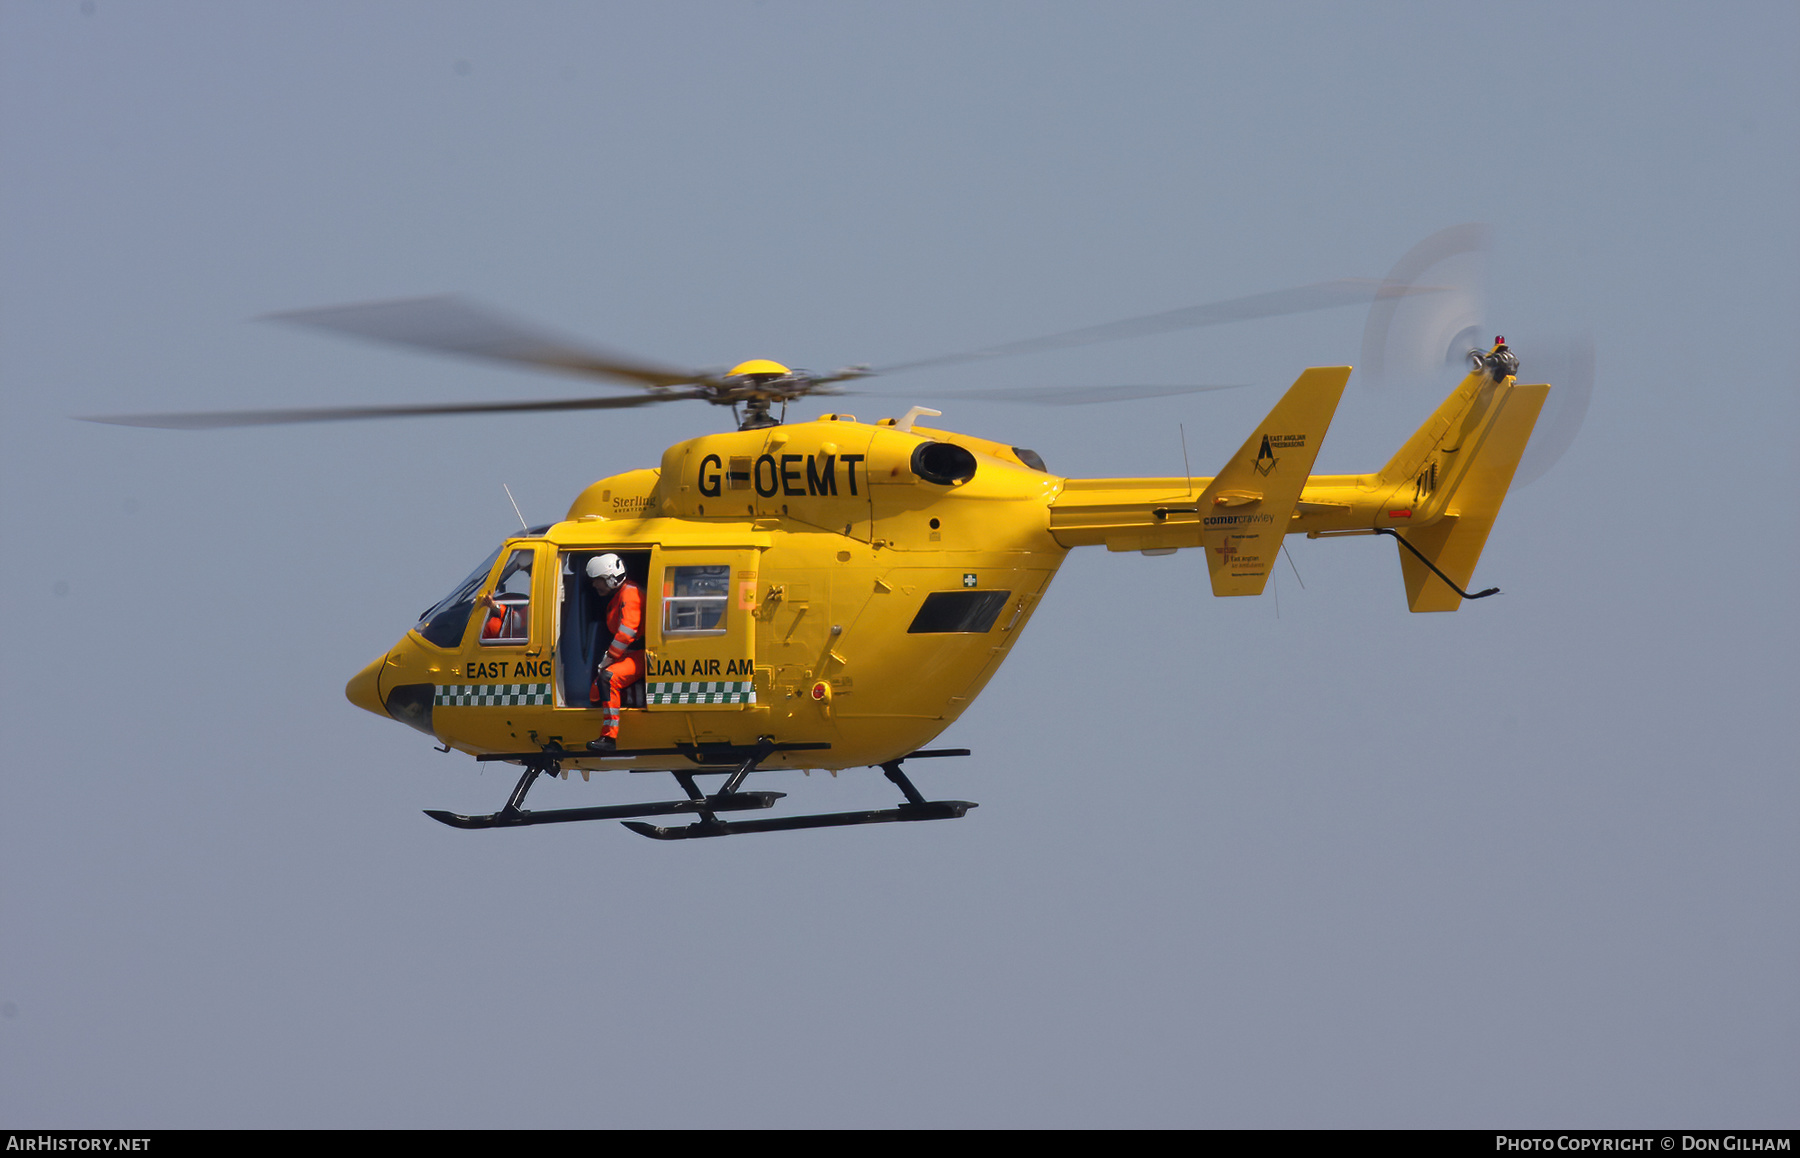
<point x="504" y="621"/>
<point x="625" y="619"/>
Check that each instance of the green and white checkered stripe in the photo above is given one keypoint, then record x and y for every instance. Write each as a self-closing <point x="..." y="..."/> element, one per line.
<point x="491" y="695"/>
<point x="714" y="692"/>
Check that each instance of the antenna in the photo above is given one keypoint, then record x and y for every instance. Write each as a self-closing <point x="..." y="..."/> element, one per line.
<point x="1186" y="469"/>
<point x="1290" y="560"/>
<point x="916" y="412"/>
<point x="515" y="506"/>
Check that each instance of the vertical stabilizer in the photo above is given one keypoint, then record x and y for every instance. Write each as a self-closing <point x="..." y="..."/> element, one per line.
<point x="1470" y="499"/>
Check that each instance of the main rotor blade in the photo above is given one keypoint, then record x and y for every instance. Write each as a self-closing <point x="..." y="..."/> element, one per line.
<point x="452" y="325"/>
<point x="216" y="419"/>
<point x="1304" y="299"/>
<point x="1050" y="395"/>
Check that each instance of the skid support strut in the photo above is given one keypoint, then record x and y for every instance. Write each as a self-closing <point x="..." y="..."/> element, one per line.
<point x="915" y="808"/>
<point x="514" y="814"/>
<point x="736" y="762"/>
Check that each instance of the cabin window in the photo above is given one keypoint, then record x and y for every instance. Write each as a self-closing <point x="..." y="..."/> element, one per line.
<point x="947" y="612"/>
<point x="510" y="623"/>
<point x="694" y="599"/>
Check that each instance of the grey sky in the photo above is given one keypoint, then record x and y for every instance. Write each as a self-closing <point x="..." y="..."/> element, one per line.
<point x="1528" y="864"/>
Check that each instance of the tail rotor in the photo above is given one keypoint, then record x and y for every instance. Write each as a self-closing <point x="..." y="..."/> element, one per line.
<point x="1434" y="311"/>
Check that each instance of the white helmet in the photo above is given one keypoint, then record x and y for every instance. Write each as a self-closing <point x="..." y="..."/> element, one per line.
<point x="608" y="568"/>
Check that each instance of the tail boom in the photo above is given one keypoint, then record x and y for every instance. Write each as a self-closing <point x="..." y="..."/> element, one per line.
<point x="1440" y="492"/>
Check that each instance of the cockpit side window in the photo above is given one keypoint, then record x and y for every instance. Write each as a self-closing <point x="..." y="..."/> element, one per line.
<point x="445" y="621"/>
<point x="510" y="623"/>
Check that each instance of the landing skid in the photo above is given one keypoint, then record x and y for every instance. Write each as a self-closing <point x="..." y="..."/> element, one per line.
<point x="512" y="818"/>
<point x="727" y="799"/>
<point x="929" y="810"/>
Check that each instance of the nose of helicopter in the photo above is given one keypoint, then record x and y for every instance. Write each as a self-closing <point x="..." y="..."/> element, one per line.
<point x="364" y="688"/>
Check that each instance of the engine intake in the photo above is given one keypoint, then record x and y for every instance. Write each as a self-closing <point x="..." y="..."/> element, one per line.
<point x="943" y="463"/>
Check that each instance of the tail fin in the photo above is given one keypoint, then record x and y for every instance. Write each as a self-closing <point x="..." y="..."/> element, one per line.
<point x="1245" y="511"/>
<point x="1449" y="480"/>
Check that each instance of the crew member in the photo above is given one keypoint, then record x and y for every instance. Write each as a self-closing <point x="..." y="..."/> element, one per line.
<point x="623" y="663"/>
<point x="503" y="620"/>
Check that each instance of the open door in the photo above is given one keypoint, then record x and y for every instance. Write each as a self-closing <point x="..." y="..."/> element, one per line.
<point x="581" y="635"/>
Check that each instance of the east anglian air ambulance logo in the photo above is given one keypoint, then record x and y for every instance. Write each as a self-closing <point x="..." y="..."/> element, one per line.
<point x="1265" y="458"/>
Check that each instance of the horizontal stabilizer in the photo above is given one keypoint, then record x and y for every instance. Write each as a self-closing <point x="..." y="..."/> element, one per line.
<point x="1245" y="511"/>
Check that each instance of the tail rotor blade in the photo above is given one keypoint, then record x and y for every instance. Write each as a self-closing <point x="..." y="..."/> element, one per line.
<point x="1411" y="339"/>
<point x="1568" y="365"/>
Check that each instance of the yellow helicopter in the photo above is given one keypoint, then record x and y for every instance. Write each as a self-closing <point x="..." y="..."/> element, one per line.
<point x="835" y="593"/>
